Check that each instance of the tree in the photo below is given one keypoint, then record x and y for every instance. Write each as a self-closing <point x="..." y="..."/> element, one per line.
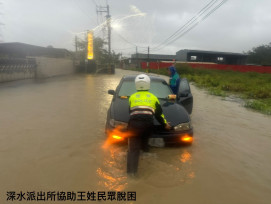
<point x="260" y="55"/>
<point x="115" y="58"/>
<point x="101" y="55"/>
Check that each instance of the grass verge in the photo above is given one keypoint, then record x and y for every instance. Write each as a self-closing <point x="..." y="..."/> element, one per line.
<point x="254" y="88"/>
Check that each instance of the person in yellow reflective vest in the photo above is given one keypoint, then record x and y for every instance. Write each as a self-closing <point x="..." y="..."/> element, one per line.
<point x="143" y="107"/>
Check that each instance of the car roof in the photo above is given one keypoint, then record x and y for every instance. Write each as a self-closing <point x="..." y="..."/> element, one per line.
<point x="132" y="77"/>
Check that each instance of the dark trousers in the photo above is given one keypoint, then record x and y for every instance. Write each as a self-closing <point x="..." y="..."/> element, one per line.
<point x="141" y="131"/>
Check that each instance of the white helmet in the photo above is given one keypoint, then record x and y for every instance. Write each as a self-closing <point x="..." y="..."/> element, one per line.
<point x="142" y="82"/>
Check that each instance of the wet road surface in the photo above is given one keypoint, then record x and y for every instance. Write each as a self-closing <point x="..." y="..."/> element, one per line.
<point x="52" y="136"/>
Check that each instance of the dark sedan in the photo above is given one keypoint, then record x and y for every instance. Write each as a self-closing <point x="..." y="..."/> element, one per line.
<point x="176" y="110"/>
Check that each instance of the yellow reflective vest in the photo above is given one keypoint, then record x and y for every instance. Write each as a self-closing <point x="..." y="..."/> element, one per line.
<point x="145" y="103"/>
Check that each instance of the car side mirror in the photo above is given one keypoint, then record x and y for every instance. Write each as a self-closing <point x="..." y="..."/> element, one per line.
<point x="111" y="92"/>
<point x="184" y="88"/>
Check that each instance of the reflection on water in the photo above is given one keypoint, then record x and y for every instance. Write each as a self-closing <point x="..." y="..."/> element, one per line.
<point x="159" y="168"/>
<point x="52" y="135"/>
<point x="112" y="173"/>
<point x="185" y="156"/>
<point x="191" y="175"/>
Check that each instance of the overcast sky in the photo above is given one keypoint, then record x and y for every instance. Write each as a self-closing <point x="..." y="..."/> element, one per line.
<point x="236" y="26"/>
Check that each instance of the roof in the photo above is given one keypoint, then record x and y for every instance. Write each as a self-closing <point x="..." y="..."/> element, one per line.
<point x="153" y="56"/>
<point x="16" y="49"/>
<point x="211" y="52"/>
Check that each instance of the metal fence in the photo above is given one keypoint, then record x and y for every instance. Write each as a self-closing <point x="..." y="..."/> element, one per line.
<point x="16" y="69"/>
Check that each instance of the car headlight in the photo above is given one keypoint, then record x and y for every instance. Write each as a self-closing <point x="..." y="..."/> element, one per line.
<point x="183" y="126"/>
<point x="115" y="123"/>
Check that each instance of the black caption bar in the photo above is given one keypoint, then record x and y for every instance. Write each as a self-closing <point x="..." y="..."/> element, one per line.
<point x="71" y="196"/>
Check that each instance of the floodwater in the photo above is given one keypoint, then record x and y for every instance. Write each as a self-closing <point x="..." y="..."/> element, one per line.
<point x="52" y="136"/>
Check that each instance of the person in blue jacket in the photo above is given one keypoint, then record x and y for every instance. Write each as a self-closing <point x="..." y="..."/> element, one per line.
<point x="174" y="80"/>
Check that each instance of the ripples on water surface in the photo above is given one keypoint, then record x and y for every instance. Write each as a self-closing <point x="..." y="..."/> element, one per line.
<point x="52" y="137"/>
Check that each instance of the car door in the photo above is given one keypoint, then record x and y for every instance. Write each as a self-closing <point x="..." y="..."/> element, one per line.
<point x="184" y="96"/>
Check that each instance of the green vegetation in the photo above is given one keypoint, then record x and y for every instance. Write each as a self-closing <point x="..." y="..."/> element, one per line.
<point x="260" y="55"/>
<point x="262" y="105"/>
<point x="101" y="55"/>
<point x="254" y="88"/>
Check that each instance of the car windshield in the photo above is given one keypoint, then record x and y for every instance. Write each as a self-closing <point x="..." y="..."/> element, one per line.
<point x="159" y="88"/>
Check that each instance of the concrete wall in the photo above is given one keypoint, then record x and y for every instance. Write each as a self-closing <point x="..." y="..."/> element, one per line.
<point x="48" y="67"/>
<point x="17" y="72"/>
<point x="15" y="76"/>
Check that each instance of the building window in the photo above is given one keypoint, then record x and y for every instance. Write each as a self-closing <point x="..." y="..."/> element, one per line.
<point x="220" y="59"/>
<point x="193" y="58"/>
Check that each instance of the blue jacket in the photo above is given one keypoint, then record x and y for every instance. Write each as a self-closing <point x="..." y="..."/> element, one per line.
<point x="174" y="80"/>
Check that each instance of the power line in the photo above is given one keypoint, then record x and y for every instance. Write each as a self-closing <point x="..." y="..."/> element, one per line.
<point x="206" y="16"/>
<point x="189" y="25"/>
<point x="186" y="25"/>
<point x="124" y="39"/>
<point x="128" y="48"/>
<point x="203" y="10"/>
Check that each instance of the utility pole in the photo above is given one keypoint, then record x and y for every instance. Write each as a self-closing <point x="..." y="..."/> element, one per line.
<point x="148" y="55"/>
<point x="76" y="51"/>
<point x="76" y="44"/>
<point x="86" y="48"/>
<point x="105" y="9"/>
<point x="108" y="18"/>
<point x="136" y="58"/>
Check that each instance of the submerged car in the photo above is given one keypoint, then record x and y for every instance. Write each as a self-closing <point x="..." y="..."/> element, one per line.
<point x="176" y="109"/>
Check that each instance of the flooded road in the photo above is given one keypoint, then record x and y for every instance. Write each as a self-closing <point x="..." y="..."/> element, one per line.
<point x="52" y="136"/>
